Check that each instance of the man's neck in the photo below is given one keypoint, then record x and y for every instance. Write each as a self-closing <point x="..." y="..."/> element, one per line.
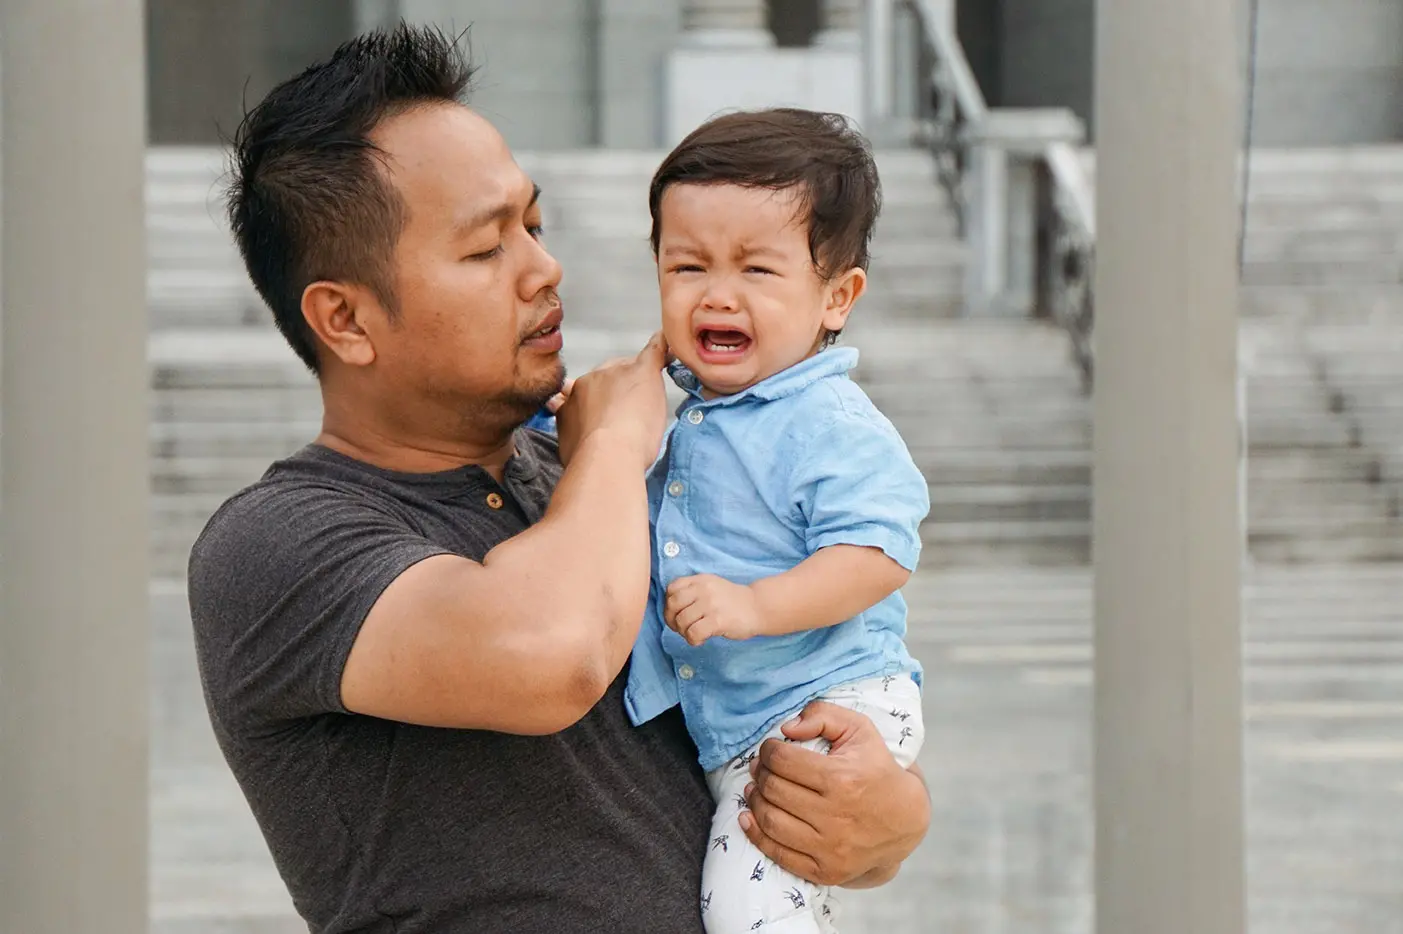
<point x="405" y="454"/>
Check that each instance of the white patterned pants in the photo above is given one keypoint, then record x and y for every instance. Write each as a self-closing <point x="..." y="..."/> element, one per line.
<point x="742" y="890"/>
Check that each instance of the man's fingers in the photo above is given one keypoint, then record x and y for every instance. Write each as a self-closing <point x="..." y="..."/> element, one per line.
<point x="654" y="354"/>
<point x="784" y="828"/>
<point x="836" y="724"/>
<point x="803" y="767"/>
<point x="788" y="859"/>
<point x="771" y="790"/>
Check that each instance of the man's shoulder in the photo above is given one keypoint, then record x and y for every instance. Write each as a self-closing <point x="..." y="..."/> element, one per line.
<point x="300" y="513"/>
<point x="293" y="490"/>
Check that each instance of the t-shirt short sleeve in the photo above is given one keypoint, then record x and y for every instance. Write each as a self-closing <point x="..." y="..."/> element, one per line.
<point x="856" y="484"/>
<point x="280" y="582"/>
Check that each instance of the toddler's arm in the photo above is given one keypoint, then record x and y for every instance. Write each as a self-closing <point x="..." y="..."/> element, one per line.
<point x="832" y="585"/>
<point x="862" y="500"/>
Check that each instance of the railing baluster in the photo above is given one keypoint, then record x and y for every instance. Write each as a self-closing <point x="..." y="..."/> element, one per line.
<point x="951" y="107"/>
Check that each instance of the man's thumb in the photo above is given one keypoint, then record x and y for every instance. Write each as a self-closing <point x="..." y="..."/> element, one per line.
<point x="654" y="354"/>
<point x="835" y="724"/>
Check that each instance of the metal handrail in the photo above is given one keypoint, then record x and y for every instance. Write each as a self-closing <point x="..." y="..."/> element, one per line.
<point x="1067" y="252"/>
<point x="950" y="100"/>
<point x="951" y="54"/>
<point x="951" y="105"/>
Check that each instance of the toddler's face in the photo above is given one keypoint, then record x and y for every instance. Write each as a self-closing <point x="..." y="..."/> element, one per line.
<point x="741" y="299"/>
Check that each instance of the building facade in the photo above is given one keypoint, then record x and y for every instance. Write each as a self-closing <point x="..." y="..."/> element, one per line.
<point x="633" y="74"/>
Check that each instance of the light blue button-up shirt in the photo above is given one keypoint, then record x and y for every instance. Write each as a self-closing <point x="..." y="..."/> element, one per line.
<point x="748" y="486"/>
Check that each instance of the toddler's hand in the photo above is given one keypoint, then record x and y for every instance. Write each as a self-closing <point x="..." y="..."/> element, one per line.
<point x="705" y="605"/>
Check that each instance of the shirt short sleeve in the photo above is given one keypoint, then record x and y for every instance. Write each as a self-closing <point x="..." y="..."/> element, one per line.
<point x="856" y="484"/>
<point x="280" y="582"/>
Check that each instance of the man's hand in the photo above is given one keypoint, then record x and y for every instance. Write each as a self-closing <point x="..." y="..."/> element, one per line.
<point x="623" y="397"/>
<point x="554" y="403"/>
<point x="705" y="605"/>
<point x="847" y="818"/>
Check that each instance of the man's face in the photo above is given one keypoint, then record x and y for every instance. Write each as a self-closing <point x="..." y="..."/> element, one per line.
<point x="478" y="316"/>
<point x="741" y="299"/>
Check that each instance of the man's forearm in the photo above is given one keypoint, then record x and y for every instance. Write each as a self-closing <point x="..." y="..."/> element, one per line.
<point x="586" y="563"/>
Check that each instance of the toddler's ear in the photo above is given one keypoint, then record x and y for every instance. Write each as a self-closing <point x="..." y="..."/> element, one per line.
<point x="843" y="292"/>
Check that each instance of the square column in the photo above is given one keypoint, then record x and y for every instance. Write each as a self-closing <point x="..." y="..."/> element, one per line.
<point x="74" y="629"/>
<point x="1168" y="446"/>
<point x="726" y="60"/>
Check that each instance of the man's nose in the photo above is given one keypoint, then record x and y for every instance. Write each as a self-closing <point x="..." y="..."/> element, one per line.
<point x="543" y="271"/>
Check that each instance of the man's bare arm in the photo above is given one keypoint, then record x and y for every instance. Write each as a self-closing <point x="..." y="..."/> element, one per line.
<point x="529" y="640"/>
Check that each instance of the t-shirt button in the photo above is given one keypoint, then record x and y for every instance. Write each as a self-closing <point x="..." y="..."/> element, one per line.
<point x="686" y="672"/>
<point x="672" y="549"/>
<point x="494" y="500"/>
<point x="695" y="416"/>
<point x="675" y="488"/>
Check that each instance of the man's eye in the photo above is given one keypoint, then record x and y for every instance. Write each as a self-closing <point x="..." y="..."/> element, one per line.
<point x="488" y="254"/>
<point x="536" y="230"/>
<point x="687" y="268"/>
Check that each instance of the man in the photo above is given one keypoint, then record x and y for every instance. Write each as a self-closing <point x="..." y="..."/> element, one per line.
<point x="412" y="632"/>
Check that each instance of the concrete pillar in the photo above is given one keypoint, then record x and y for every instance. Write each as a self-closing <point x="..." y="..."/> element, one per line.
<point x="725" y="23"/>
<point x="1046" y="59"/>
<point x="538" y="79"/>
<point x="635" y="37"/>
<point x="374" y="14"/>
<point x="73" y="469"/>
<point x="842" y="24"/>
<point x="726" y="60"/>
<point x="878" y="61"/>
<point x="1168" y="544"/>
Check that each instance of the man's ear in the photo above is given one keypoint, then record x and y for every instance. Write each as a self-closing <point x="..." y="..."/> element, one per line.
<point x="842" y="293"/>
<point x="335" y="312"/>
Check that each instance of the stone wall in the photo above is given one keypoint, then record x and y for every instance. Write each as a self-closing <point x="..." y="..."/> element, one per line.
<point x="1047" y="55"/>
<point x="1330" y="73"/>
<point x="1327" y="73"/>
<point x="207" y="57"/>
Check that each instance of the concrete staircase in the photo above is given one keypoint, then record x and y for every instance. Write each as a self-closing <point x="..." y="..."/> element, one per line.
<point x="992" y="410"/>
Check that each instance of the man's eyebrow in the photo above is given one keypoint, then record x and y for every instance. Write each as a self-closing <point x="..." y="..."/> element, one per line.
<point x="496" y="213"/>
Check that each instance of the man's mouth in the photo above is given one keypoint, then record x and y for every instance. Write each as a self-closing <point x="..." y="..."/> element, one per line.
<point x="549" y="328"/>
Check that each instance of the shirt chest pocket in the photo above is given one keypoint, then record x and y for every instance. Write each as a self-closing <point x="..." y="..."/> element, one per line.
<point x="735" y="508"/>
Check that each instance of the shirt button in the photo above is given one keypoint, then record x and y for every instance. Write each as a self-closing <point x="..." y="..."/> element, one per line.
<point x="695" y="416"/>
<point x="672" y="549"/>
<point x="686" y="672"/>
<point x="494" y="500"/>
<point x="675" y="488"/>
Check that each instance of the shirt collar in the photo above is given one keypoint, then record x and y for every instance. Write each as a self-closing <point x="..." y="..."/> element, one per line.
<point x="835" y="361"/>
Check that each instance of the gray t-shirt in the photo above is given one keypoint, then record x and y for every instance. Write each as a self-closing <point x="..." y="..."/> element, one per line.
<point x="379" y="826"/>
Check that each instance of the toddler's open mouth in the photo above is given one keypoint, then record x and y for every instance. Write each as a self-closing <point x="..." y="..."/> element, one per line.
<point x="722" y="345"/>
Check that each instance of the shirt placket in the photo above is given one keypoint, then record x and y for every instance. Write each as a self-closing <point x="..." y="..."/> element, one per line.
<point x="672" y="544"/>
